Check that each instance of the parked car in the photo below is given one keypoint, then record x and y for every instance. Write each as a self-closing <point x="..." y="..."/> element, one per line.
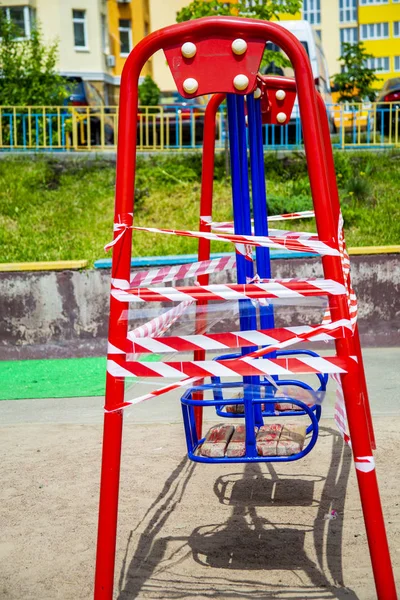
<point x="88" y="101"/>
<point x="176" y="121"/>
<point x="388" y="107"/>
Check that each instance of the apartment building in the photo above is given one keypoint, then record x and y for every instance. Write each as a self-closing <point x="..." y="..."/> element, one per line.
<point x="128" y="23"/>
<point x="374" y="22"/>
<point x="94" y="36"/>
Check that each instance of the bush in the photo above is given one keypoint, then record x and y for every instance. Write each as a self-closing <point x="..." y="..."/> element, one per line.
<point x="149" y="92"/>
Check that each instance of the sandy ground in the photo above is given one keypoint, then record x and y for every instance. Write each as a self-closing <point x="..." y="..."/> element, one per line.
<point x="185" y="530"/>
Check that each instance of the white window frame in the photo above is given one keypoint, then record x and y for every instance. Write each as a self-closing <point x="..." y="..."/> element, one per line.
<point x="312" y="8"/>
<point x="27" y="19"/>
<point x="374" y="31"/>
<point x="80" y="20"/>
<point x="353" y="35"/>
<point x="347" y="7"/>
<point x="125" y="29"/>
<point x="374" y="2"/>
<point x="396" y="25"/>
<point x="371" y="63"/>
<point x="396" y="63"/>
<point x="105" y="42"/>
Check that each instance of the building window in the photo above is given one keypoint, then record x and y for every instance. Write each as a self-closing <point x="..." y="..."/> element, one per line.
<point x="312" y="11"/>
<point x="80" y="29"/>
<point x="397" y="63"/>
<point x="347" y="11"/>
<point x="374" y="31"/>
<point x="21" y="16"/>
<point x="396" y="29"/>
<point x="125" y="36"/>
<point x="348" y="35"/>
<point x="380" y="63"/>
<point x="365" y="2"/>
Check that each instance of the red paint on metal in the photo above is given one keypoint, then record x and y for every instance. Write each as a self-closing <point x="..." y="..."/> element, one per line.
<point x="271" y="106"/>
<point x="214" y="66"/>
<point x="330" y="165"/>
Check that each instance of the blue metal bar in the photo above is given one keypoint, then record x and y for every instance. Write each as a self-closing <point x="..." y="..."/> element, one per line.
<point x="242" y="225"/>
<point x="259" y="196"/>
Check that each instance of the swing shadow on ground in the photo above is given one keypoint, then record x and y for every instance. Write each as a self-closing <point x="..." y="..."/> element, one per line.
<point x="246" y="541"/>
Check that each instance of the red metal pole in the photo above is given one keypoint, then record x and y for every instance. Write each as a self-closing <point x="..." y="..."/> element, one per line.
<point x="206" y="198"/>
<point x="333" y="188"/>
<point x="118" y="327"/>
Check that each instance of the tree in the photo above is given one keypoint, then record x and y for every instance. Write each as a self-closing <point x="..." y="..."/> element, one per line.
<point x="255" y="9"/>
<point x="354" y="83"/>
<point x="149" y="92"/>
<point x="28" y="74"/>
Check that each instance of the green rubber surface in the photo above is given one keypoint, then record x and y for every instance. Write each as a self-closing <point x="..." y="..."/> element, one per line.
<point x="56" y="378"/>
<point x="52" y="378"/>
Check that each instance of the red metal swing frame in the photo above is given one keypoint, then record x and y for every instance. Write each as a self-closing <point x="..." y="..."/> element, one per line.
<point x="326" y="207"/>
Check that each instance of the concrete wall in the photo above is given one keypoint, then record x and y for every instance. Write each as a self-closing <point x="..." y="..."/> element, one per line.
<point x="65" y="313"/>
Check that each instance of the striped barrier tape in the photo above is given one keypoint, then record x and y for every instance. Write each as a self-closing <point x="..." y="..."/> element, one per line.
<point x="305" y="214"/>
<point x="340" y="409"/>
<point x="277" y="338"/>
<point x="161" y="324"/>
<point x="121" y="226"/>
<point x="297" y="244"/>
<point x="303" y="236"/>
<point x="274" y="288"/>
<point x="174" y="273"/>
<point x="120" y="368"/>
<point x="155" y="393"/>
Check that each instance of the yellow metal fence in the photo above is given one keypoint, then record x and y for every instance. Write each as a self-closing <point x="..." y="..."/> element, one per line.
<point x="159" y="128"/>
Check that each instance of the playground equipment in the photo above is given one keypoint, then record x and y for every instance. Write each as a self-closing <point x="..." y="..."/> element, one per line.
<point x="221" y="56"/>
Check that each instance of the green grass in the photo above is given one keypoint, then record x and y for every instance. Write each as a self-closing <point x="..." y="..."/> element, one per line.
<point x="52" y="209"/>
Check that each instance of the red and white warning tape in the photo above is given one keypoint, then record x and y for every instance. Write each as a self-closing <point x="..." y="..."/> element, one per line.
<point x="174" y="273"/>
<point x="139" y="342"/>
<point x="120" y="368"/>
<point x="272" y="288"/>
<point x="274" y="233"/>
<point x="159" y="392"/>
<point x="305" y="214"/>
<point x="161" y="324"/>
<point x="297" y="244"/>
<point x="120" y="227"/>
<point x="124" y="221"/>
<point x="340" y="409"/>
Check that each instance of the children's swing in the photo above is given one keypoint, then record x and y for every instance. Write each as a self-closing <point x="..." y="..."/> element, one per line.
<point x="221" y="56"/>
